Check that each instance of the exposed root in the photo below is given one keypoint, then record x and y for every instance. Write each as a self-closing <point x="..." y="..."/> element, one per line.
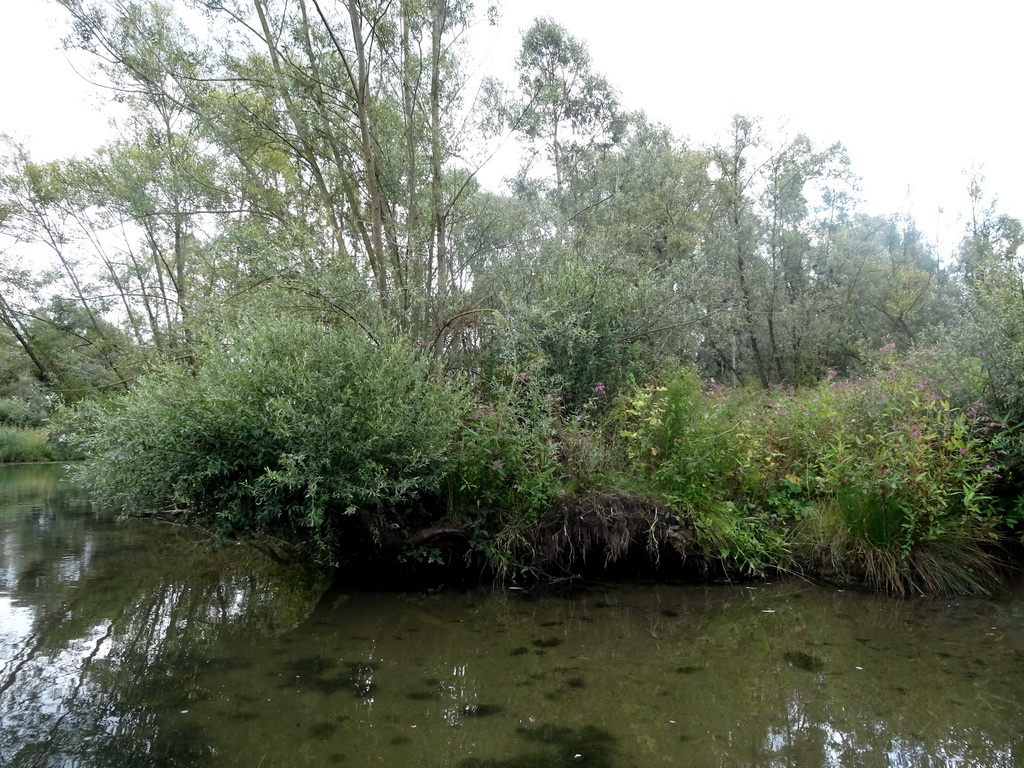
<point x="609" y="524"/>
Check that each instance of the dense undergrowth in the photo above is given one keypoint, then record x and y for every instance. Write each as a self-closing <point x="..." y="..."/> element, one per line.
<point x="28" y="444"/>
<point x="350" y="451"/>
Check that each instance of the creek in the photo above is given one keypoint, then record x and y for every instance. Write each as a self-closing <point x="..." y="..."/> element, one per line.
<point x="137" y="643"/>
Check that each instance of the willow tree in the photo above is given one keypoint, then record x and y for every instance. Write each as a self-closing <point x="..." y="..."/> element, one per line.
<point x="336" y="125"/>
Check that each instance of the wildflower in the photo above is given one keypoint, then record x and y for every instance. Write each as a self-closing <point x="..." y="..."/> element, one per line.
<point x="496" y="465"/>
<point x="599" y="389"/>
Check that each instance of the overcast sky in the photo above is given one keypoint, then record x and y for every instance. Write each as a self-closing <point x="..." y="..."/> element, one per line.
<point x="919" y="92"/>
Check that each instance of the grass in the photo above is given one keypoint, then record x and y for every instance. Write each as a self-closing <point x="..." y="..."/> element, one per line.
<point x="18" y="444"/>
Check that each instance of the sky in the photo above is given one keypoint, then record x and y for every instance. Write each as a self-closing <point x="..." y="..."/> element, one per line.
<point x="921" y="93"/>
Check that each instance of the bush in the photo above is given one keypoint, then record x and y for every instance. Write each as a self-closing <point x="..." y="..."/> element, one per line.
<point x="515" y="461"/>
<point x="17" y="445"/>
<point x="901" y="469"/>
<point x="883" y="480"/>
<point x="292" y="427"/>
<point x="15" y="412"/>
<point x="696" y="449"/>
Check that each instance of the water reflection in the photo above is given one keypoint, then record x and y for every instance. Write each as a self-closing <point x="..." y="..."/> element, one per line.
<point x="138" y="645"/>
<point x="104" y="627"/>
<point x="784" y="675"/>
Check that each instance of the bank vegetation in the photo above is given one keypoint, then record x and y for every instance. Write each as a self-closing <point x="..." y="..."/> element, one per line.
<point x="280" y="305"/>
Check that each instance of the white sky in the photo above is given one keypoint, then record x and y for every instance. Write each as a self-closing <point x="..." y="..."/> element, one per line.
<point x="919" y="91"/>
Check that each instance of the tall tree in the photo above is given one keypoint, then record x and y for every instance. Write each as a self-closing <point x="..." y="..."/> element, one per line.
<point x="563" y="104"/>
<point x="336" y="124"/>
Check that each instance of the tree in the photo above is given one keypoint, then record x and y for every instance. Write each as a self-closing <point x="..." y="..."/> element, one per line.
<point x="562" y="103"/>
<point x="334" y="127"/>
<point x="765" y="234"/>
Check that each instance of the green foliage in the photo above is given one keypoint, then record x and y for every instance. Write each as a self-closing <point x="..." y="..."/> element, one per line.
<point x="288" y="426"/>
<point x="867" y="479"/>
<point x="582" y="328"/>
<point x="320" y="165"/>
<point x="15" y="412"/>
<point x="895" y="470"/>
<point x="935" y="463"/>
<point x="17" y="445"/>
<point x="510" y="467"/>
<point x="695" y="453"/>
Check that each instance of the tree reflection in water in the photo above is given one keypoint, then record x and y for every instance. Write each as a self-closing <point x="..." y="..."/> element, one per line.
<point x="103" y="628"/>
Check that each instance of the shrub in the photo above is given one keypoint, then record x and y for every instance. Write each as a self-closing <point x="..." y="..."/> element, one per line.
<point x="17" y="445"/>
<point x="904" y="471"/>
<point x="883" y="479"/>
<point x="15" y="412"/>
<point x="696" y="450"/>
<point x="288" y="426"/>
<point x="518" y="456"/>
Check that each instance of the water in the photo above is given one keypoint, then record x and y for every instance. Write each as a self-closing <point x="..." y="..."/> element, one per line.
<point x="137" y="644"/>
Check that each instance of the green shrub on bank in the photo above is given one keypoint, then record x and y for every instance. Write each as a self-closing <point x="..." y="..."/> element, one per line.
<point x="18" y="444"/>
<point x="321" y="435"/>
<point x="16" y="412"/>
<point x="292" y="428"/>
<point x="908" y="475"/>
<point x="696" y="451"/>
<point x="518" y="456"/>
<point x="882" y="480"/>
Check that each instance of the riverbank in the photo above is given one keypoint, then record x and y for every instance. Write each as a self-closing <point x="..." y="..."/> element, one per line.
<point x="351" y="454"/>
<point x="29" y="444"/>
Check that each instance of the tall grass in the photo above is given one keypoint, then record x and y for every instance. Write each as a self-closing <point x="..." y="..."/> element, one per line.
<point x="25" y="444"/>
